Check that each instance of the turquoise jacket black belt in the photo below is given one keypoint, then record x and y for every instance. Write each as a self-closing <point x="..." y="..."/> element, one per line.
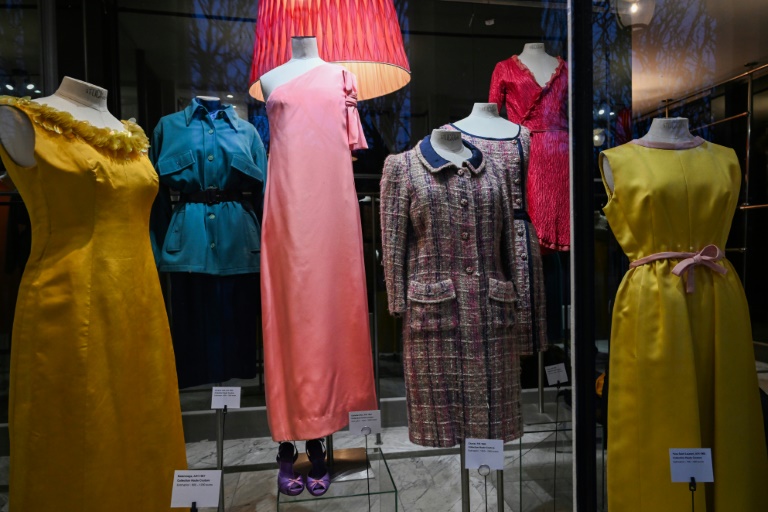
<point x="217" y="164"/>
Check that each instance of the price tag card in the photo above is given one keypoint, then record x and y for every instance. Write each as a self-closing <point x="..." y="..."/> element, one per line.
<point x="556" y="373"/>
<point x="484" y="452"/>
<point x="691" y="462"/>
<point x="365" y="422"/>
<point x="225" y="396"/>
<point x="196" y="486"/>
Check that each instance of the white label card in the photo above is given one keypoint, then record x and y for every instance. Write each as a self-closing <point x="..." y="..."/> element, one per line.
<point x="196" y="486"/>
<point x="365" y="422"/>
<point x="225" y="396"/>
<point x="556" y="373"/>
<point x="685" y="463"/>
<point x="484" y="452"/>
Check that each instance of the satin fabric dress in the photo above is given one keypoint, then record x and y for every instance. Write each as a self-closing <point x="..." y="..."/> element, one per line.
<point x="317" y="347"/>
<point x="95" y="422"/>
<point x="511" y="156"/>
<point x="544" y="111"/>
<point x="682" y="364"/>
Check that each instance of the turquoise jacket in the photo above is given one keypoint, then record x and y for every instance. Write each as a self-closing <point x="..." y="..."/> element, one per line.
<point x="193" y="150"/>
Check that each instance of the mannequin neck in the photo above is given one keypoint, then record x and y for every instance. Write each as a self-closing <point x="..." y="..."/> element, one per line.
<point x="304" y="47"/>
<point x="448" y="144"/>
<point x="485" y="111"/>
<point x="211" y="103"/>
<point x="672" y="130"/>
<point x="533" y="49"/>
<point x="85" y="94"/>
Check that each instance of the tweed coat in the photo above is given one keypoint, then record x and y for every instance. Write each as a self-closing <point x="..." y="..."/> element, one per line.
<point x="449" y="263"/>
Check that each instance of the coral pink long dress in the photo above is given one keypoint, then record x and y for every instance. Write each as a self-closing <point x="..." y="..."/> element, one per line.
<point x="544" y="111"/>
<point x="317" y="349"/>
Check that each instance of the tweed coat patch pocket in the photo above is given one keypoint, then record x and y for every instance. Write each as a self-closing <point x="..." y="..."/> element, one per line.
<point x="502" y="297"/>
<point x="432" y="306"/>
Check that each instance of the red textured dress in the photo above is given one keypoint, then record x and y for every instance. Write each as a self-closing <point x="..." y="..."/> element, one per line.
<point x="544" y="111"/>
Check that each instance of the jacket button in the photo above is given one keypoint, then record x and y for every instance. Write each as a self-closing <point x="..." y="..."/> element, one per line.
<point x="520" y="232"/>
<point x="210" y="131"/>
<point x="464" y="202"/>
<point x="517" y="181"/>
<point x="210" y="158"/>
<point x="213" y="245"/>
<point x="524" y="256"/>
<point x="465" y="235"/>
<point x="517" y="201"/>
<point x="212" y="216"/>
<point x="460" y="172"/>
<point x="469" y="270"/>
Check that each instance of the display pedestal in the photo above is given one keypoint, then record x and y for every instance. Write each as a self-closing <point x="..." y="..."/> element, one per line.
<point x="357" y="483"/>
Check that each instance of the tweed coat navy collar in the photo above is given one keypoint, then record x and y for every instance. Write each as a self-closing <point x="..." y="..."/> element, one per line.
<point x="435" y="163"/>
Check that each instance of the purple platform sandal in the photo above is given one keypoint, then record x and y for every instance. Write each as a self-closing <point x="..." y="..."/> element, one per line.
<point x="318" y="478"/>
<point x="289" y="482"/>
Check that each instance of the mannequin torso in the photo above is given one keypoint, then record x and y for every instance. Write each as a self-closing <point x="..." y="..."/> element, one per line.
<point x="670" y="132"/>
<point x="304" y="57"/>
<point x="485" y="121"/>
<point x="448" y="144"/>
<point x="86" y="102"/>
<point x="541" y="65"/>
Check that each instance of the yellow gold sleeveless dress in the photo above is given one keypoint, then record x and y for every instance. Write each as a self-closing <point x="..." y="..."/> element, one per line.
<point x="682" y="366"/>
<point x="95" y="422"/>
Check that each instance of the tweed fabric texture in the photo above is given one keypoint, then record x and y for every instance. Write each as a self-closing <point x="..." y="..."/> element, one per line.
<point x="449" y="262"/>
<point x="511" y="156"/>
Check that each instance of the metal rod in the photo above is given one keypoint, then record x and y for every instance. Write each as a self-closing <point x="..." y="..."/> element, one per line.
<point x="500" y="490"/>
<point x="48" y="50"/>
<point x="541" y="382"/>
<point x="375" y="337"/>
<point x="329" y="451"/>
<point x="464" y="478"/>
<point x="747" y="164"/>
<point x="704" y="90"/>
<point x="220" y="453"/>
<point x="737" y="116"/>
<point x="753" y="206"/>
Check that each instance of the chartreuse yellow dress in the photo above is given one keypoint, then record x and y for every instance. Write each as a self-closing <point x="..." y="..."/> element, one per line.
<point x="95" y="422"/>
<point x="682" y="367"/>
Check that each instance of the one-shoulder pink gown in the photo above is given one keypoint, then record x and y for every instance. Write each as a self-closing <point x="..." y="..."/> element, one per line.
<point x="317" y="345"/>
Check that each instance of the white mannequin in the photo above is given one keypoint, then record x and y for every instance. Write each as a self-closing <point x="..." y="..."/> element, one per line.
<point x="448" y="144"/>
<point x="671" y="131"/>
<point x="304" y="57"/>
<point x="538" y="62"/>
<point x="86" y="102"/>
<point x="484" y="121"/>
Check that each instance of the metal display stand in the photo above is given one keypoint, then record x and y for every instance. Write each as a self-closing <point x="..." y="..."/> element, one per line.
<point x="484" y="471"/>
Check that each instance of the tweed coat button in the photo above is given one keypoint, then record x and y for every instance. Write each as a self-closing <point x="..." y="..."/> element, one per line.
<point x="520" y="232"/>
<point x="517" y="181"/>
<point x="465" y="235"/>
<point x="469" y="270"/>
<point x="460" y="172"/>
<point x="464" y="202"/>
<point x="524" y="256"/>
<point x="517" y="201"/>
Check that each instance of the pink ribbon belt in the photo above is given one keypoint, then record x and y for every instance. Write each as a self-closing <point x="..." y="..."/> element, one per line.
<point x="708" y="257"/>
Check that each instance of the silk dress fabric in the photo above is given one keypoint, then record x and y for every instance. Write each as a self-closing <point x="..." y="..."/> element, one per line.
<point x="543" y="110"/>
<point x="682" y="364"/>
<point x="317" y="347"/>
<point x="95" y="422"/>
<point x="450" y="266"/>
<point x="510" y="155"/>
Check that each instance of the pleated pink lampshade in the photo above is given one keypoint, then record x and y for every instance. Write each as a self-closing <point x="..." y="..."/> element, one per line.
<point x="361" y="35"/>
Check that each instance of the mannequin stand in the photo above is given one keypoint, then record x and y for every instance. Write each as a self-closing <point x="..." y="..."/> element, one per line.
<point x="221" y="416"/>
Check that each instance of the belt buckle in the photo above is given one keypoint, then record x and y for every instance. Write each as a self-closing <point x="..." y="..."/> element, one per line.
<point x="212" y="196"/>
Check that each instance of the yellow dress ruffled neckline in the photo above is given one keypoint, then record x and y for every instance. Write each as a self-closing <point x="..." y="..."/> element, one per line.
<point x="127" y="144"/>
